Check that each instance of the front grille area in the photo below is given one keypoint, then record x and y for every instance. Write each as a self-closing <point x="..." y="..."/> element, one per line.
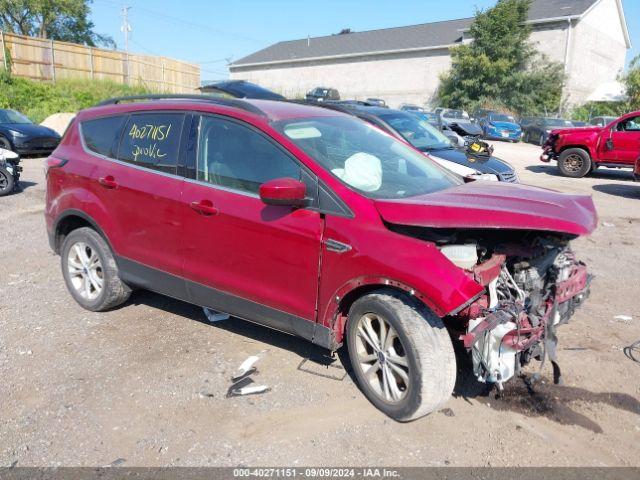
<point x="42" y="142"/>
<point x="509" y="177"/>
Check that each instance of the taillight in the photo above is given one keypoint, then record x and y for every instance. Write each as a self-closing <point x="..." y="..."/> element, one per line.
<point x="53" y="162"/>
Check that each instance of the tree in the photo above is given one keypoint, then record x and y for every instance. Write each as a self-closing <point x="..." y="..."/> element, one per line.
<point x="500" y="68"/>
<point x="66" y="20"/>
<point x="631" y="81"/>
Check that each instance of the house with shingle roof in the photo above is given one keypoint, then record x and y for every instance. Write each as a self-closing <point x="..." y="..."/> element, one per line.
<point x="403" y="64"/>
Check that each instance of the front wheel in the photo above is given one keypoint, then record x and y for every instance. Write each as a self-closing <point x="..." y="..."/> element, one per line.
<point x="7" y="182"/>
<point x="401" y="354"/>
<point x="574" y="163"/>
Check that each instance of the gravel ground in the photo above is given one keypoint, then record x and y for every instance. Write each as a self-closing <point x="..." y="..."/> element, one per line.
<point x="145" y="385"/>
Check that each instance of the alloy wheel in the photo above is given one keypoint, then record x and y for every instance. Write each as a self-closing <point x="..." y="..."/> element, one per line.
<point x="573" y="163"/>
<point x="85" y="270"/>
<point x="382" y="358"/>
<point x="4" y="181"/>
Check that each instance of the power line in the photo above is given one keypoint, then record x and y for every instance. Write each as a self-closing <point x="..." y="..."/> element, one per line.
<point x="171" y="19"/>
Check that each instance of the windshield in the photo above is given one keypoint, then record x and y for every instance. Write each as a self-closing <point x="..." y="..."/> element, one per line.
<point x="11" y="116"/>
<point x="419" y="133"/>
<point x="429" y="117"/>
<point x="558" y="122"/>
<point x="366" y="159"/>
<point x="501" y="117"/>
<point x="455" y="114"/>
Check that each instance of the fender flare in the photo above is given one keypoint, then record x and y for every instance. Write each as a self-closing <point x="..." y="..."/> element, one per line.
<point x="332" y="317"/>
<point x="72" y="212"/>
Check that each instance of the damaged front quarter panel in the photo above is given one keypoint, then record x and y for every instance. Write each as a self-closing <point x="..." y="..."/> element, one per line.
<point x="533" y="283"/>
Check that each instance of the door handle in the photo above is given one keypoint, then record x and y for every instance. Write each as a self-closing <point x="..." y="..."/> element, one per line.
<point x="204" y="207"/>
<point x="107" y="182"/>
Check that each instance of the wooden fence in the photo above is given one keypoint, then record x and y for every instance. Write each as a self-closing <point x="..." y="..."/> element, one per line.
<point x="42" y="59"/>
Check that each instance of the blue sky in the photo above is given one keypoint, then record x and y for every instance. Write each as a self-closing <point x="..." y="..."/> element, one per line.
<point x="211" y="31"/>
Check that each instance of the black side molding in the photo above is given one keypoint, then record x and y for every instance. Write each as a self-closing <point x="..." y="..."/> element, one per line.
<point x="180" y="288"/>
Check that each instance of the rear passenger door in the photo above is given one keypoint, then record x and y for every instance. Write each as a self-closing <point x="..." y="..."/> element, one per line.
<point x="138" y="184"/>
<point x="243" y="257"/>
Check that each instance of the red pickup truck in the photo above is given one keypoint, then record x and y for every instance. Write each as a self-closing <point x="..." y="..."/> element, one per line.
<point x="581" y="150"/>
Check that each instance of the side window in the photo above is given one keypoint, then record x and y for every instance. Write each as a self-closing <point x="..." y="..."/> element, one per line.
<point x="234" y="156"/>
<point x="629" y="125"/>
<point x="102" y="134"/>
<point x="152" y="140"/>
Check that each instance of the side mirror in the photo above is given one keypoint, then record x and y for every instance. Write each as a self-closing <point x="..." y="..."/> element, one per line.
<point x="284" y="192"/>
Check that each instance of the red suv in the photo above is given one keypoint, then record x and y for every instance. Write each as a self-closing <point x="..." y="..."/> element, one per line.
<point x="317" y="224"/>
<point x="581" y="150"/>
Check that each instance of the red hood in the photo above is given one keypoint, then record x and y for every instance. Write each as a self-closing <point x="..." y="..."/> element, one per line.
<point x="494" y="205"/>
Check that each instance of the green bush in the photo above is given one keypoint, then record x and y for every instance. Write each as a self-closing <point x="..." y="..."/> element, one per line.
<point x="37" y="100"/>
<point x="598" y="109"/>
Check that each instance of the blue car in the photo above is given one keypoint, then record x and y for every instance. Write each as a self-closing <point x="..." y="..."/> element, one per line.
<point x="499" y="126"/>
<point x="21" y="135"/>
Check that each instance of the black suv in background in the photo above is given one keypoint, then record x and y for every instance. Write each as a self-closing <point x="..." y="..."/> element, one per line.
<point x="240" y="89"/>
<point x="322" y="94"/>
<point x="537" y="130"/>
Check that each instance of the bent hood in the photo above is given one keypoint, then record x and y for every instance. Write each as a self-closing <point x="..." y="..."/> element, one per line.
<point x="494" y="205"/>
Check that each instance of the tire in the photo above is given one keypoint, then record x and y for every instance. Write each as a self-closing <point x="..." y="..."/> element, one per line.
<point x="4" y="143"/>
<point x="420" y="347"/>
<point x="7" y="182"/>
<point x="574" y="163"/>
<point x="91" y="272"/>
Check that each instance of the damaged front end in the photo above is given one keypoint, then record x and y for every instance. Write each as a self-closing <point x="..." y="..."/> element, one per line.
<point x="526" y="299"/>
<point x="533" y="283"/>
<point x="512" y="240"/>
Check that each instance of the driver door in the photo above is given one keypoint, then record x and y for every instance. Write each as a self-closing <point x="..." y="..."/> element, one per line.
<point x="624" y="144"/>
<point x="254" y="261"/>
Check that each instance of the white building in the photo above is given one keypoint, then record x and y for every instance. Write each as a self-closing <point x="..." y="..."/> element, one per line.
<point x="403" y="64"/>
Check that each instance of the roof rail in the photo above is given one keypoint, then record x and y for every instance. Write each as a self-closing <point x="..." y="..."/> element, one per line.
<point x="227" y="102"/>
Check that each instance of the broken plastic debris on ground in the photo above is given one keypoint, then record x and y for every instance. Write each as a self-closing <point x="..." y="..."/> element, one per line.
<point x="214" y="316"/>
<point x="242" y="383"/>
<point x="633" y="351"/>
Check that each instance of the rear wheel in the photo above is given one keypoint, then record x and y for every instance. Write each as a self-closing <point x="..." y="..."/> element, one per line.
<point x="574" y="163"/>
<point x="6" y="182"/>
<point x="401" y="354"/>
<point x="91" y="272"/>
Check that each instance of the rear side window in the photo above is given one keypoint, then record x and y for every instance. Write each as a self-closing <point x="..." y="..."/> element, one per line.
<point x="102" y="134"/>
<point x="152" y="140"/>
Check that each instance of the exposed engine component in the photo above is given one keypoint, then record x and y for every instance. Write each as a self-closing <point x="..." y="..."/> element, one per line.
<point x="529" y="296"/>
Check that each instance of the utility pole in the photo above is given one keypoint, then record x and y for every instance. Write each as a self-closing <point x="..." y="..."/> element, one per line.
<point x="126" y="28"/>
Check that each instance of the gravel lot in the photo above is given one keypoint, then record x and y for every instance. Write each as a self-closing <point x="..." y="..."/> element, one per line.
<point x="145" y="385"/>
